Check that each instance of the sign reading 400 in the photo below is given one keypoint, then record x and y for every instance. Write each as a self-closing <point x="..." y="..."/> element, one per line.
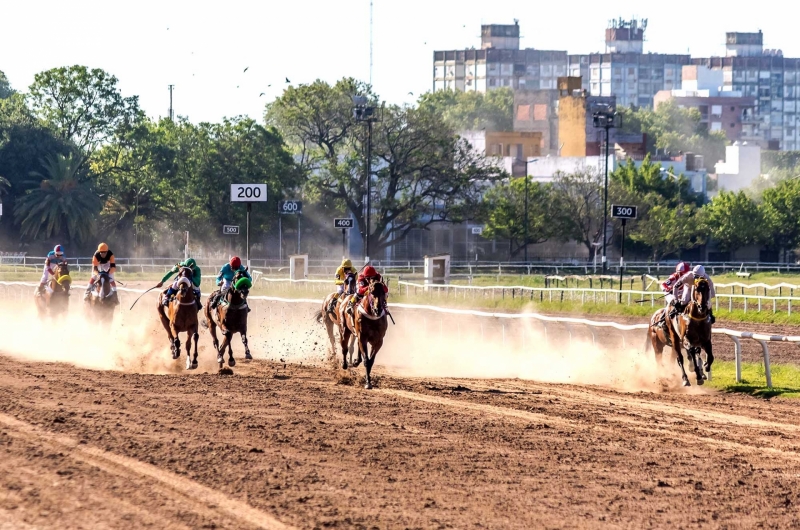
<point x="248" y="193"/>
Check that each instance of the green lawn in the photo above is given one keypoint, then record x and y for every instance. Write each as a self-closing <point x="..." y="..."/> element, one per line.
<point x="785" y="379"/>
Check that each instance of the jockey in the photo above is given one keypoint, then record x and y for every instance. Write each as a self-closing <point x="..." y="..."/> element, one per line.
<point x="681" y="269"/>
<point x="103" y="260"/>
<point x="686" y="282"/>
<point x="368" y="275"/>
<point x="341" y="275"/>
<point x="226" y="275"/>
<point x="54" y="257"/>
<point x="196" y="278"/>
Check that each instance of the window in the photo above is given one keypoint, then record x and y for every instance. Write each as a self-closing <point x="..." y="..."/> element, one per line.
<point x="733" y="125"/>
<point x="524" y="112"/>
<point x="492" y="82"/>
<point x="716" y="126"/>
<point x="539" y="112"/>
<point x="733" y="109"/>
<point x="716" y="110"/>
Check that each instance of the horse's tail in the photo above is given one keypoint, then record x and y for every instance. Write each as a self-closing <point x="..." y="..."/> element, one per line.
<point x="318" y="316"/>
<point x="204" y="323"/>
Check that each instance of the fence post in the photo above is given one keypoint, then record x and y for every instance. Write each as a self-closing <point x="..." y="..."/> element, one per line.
<point x="767" y="370"/>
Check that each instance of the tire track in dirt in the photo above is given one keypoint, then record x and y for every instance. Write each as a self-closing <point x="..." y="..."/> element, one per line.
<point x="196" y="497"/>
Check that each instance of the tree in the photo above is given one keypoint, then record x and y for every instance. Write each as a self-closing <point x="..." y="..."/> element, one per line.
<point x="779" y="209"/>
<point x="83" y="106"/>
<point x="580" y="216"/>
<point x="733" y="220"/>
<point x="504" y="207"/>
<point x="5" y="87"/>
<point x="672" y="129"/>
<point x="668" y="229"/>
<point x="493" y="110"/>
<point x="63" y="204"/>
<point x="422" y="172"/>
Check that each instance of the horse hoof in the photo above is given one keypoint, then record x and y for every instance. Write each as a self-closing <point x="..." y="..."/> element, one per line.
<point x="357" y="363"/>
<point x="194" y="365"/>
<point x="700" y="381"/>
<point x="344" y="365"/>
<point x="368" y="386"/>
<point x="220" y="360"/>
<point x="175" y="355"/>
<point x="247" y="356"/>
<point x="231" y="362"/>
<point x="188" y="363"/>
<point x="687" y="383"/>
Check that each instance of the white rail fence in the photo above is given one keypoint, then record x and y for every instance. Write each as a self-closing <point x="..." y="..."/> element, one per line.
<point x="734" y="335"/>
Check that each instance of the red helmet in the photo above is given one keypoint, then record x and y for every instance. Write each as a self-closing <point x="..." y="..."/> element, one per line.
<point x="58" y="250"/>
<point x="369" y="271"/>
<point x="235" y="262"/>
<point x="682" y="267"/>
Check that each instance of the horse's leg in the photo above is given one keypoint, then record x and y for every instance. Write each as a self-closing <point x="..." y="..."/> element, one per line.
<point x="231" y="361"/>
<point x="363" y="350"/>
<point x="196" y="337"/>
<point x="376" y="346"/>
<point x="709" y="356"/>
<point x="658" y="346"/>
<point x="167" y="326"/>
<point x="247" y="355"/>
<point x="329" y="328"/>
<point x="226" y="344"/>
<point x="677" y="348"/>
<point x="344" y="334"/>
<point x="694" y="355"/>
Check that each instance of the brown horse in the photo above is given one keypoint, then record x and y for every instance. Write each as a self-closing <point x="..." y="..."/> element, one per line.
<point x="54" y="301"/>
<point x="181" y="316"/>
<point x="329" y="315"/>
<point x="368" y="322"/>
<point x="230" y="316"/>
<point x="692" y="330"/>
<point x="103" y="300"/>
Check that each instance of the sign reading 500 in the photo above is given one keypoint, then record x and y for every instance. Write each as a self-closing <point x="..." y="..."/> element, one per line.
<point x="248" y="193"/>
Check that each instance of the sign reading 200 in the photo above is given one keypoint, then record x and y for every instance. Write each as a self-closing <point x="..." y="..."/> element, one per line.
<point x="248" y="193"/>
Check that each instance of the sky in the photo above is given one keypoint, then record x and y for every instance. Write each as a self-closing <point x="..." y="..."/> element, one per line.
<point x="204" y="47"/>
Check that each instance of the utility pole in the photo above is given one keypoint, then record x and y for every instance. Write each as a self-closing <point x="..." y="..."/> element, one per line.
<point x="363" y="112"/>
<point x="171" y="113"/>
<point x="370" y="42"/>
<point x="605" y="117"/>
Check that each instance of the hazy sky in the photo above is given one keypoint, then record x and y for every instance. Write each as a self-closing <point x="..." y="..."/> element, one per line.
<point x="203" y="47"/>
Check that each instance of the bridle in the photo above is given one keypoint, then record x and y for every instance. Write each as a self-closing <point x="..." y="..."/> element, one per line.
<point x="372" y="312"/>
<point x="702" y="305"/>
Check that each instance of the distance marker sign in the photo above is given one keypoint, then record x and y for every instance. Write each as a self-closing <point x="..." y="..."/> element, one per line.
<point x="248" y="193"/>
<point x="343" y="222"/>
<point x="623" y="212"/>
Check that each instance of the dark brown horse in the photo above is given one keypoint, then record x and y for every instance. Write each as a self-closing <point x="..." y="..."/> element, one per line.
<point x="181" y="317"/>
<point x="368" y="322"/>
<point x="54" y="301"/>
<point x="328" y="314"/>
<point x="691" y="329"/>
<point x="104" y="299"/>
<point x="230" y="316"/>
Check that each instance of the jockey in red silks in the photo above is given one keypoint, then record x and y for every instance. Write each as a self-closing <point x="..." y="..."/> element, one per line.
<point x="368" y="275"/>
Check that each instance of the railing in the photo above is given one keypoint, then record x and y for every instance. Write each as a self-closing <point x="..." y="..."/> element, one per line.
<point x="735" y="336"/>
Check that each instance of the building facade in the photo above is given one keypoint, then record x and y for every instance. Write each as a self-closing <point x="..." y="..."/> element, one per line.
<point x="768" y="76"/>
<point x="728" y="111"/>
<point x="499" y="63"/>
<point x="624" y="70"/>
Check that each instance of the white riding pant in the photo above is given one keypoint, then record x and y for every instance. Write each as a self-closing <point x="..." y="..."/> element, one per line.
<point x="669" y="298"/>
<point x="45" y="276"/>
<point x="340" y="289"/>
<point x="226" y="283"/>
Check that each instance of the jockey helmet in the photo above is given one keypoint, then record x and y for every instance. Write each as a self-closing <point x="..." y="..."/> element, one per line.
<point x="347" y="264"/>
<point x="235" y="262"/>
<point x="102" y="247"/>
<point x="191" y="263"/>
<point x="682" y="268"/>
<point x="699" y="270"/>
<point x="370" y="272"/>
<point x="58" y="250"/>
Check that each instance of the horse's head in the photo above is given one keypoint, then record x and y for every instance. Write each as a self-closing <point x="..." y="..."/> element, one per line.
<point x="186" y="272"/>
<point x="350" y="283"/>
<point x="185" y="289"/>
<point x="377" y="297"/>
<point x="240" y="288"/>
<point x="62" y="278"/>
<point x="700" y="294"/>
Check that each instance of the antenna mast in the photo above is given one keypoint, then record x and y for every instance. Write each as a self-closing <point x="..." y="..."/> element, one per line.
<point x="171" y="114"/>
<point x="370" y="42"/>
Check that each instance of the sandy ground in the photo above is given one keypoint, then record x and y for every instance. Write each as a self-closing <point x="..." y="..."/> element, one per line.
<point x="471" y="426"/>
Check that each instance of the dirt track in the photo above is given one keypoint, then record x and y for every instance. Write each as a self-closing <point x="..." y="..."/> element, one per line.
<point x="280" y="444"/>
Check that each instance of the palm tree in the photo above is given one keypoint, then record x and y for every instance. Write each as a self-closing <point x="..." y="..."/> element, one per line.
<point x="59" y="203"/>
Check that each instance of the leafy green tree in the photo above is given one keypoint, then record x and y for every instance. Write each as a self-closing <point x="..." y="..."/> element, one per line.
<point x="493" y="110"/>
<point x="63" y="204"/>
<point x="672" y="129"/>
<point x="669" y="229"/>
<point x="422" y="172"/>
<point x="5" y="87"/>
<point x="733" y="220"/>
<point x="580" y="212"/>
<point x="779" y="209"/>
<point x="82" y="105"/>
<point x="504" y="205"/>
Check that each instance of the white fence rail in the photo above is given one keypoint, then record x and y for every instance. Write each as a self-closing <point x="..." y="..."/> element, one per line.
<point x="735" y="336"/>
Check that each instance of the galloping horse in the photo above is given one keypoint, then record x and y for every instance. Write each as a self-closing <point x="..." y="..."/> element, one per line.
<point x="231" y="317"/>
<point x="692" y="327"/>
<point x="181" y="316"/>
<point x="103" y="299"/>
<point x="368" y="322"/>
<point x="55" y="300"/>
<point x="331" y="317"/>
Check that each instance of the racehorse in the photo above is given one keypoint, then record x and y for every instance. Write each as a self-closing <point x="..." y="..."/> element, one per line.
<point x="230" y="316"/>
<point x="55" y="299"/>
<point x="331" y="317"/>
<point x="103" y="299"/>
<point x="181" y="316"/>
<point x="368" y="322"/>
<point x="693" y="331"/>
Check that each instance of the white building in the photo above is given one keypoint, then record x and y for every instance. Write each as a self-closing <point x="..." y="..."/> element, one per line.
<point x="741" y="167"/>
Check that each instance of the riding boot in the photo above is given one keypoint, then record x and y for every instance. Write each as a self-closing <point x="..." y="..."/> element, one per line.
<point x="198" y="300"/>
<point x="332" y="305"/>
<point x="167" y="296"/>
<point x="711" y="318"/>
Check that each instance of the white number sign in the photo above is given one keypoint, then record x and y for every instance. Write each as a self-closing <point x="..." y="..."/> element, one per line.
<point x="248" y="193"/>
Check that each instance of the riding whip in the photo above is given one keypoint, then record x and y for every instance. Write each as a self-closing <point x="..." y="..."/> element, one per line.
<point x="141" y="295"/>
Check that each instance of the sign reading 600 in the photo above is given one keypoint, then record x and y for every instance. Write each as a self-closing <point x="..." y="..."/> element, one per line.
<point x="248" y="193"/>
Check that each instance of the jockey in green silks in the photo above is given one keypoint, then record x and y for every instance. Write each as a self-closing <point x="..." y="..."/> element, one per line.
<point x="196" y="277"/>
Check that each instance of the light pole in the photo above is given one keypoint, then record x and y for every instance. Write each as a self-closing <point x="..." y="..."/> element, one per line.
<point x="363" y="112"/>
<point x="525" y="242"/>
<point x="605" y="117"/>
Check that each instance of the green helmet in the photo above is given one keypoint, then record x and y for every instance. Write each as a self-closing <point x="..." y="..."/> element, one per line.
<point x="191" y="263"/>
